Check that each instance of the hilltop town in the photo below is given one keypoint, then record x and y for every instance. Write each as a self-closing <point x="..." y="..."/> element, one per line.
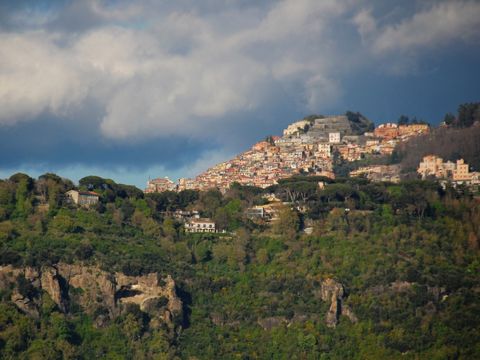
<point x="311" y="146"/>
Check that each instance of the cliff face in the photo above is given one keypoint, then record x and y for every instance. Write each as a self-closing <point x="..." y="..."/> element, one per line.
<point x="334" y="292"/>
<point x="94" y="290"/>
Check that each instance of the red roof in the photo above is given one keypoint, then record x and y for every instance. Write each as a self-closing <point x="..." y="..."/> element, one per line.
<point x="90" y="193"/>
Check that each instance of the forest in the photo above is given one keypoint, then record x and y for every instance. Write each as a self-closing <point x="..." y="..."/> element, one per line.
<point x="404" y="256"/>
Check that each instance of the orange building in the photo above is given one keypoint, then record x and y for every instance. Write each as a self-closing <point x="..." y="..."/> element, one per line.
<point x="413" y="129"/>
<point x="461" y="173"/>
<point x="387" y="131"/>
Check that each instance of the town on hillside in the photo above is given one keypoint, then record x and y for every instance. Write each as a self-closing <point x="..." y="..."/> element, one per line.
<point x="310" y="146"/>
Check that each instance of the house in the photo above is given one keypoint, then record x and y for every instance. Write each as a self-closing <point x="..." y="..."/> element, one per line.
<point x="295" y="127"/>
<point x="200" y="225"/>
<point x="83" y="198"/>
<point x="184" y="215"/>
<point x="434" y="166"/>
<point x="160" y="185"/>
<point x="461" y="173"/>
<point x="387" y="131"/>
<point x="324" y="150"/>
<point x="256" y="212"/>
<point x="413" y="129"/>
<point x="334" y="138"/>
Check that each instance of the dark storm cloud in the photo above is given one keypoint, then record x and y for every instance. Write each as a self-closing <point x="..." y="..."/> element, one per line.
<point x="50" y="142"/>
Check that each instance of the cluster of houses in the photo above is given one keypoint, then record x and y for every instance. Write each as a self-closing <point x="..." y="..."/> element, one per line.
<point x="307" y="146"/>
<point x="390" y="173"/>
<point x="457" y="172"/>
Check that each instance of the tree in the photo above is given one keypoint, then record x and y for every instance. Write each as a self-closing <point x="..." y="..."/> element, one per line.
<point x="449" y="119"/>
<point x="403" y="120"/>
<point x="23" y="198"/>
<point x="359" y="123"/>
<point x="210" y="201"/>
<point x="288" y="223"/>
<point x="468" y="114"/>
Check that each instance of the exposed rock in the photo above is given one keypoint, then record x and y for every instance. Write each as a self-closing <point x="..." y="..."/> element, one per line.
<point x="401" y="286"/>
<point x="97" y="291"/>
<point x="217" y="318"/>
<point x="299" y="319"/>
<point x="50" y="281"/>
<point x="28" y="306"/>
<point x="91" y="287"/>
<point x="146" y="292"/>
<point x="271" y="322"/>
<point x="334" y="292"/>
<point x="7" y="274"/>
<point x="349" y="314"/>
<point x="333" y="313"/>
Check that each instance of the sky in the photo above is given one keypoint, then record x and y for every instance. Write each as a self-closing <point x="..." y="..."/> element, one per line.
<point x="152" y="88"/>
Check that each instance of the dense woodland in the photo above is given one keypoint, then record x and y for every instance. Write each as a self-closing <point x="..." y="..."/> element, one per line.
<point x="407" y="255"/>
<point x="414" y="233"/>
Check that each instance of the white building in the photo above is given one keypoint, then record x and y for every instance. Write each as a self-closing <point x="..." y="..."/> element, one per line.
<point x="334" y="138"/>
<point x="83" y="198"/>
<point x="160" y="185"/>
<point x="295" y="127"/>
<point x="200" y="225"/>
<point x="324" y="150"/>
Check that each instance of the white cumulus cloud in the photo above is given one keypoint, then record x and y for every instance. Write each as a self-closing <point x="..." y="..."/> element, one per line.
<point x="179" y="73"/>
<point x="439" y="25"/>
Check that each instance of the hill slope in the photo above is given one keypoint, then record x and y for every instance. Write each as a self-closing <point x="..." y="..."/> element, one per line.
<point x="396" y="276"/>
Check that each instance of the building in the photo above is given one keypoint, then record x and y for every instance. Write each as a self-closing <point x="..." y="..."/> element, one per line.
<point x="389" y="173"/>
<point x="83" y="198"/>
<point x="434" y="166"/>
<point x="160" y="185"/>
<point x="387" y="131"/>
<point x="184" y="215"/>
<point x="334" y="138"/>
<point x="307" y="146"/>
<point x="461" y="172"/>
<point x="261" y="146"/>
<point x="256" y="212"/>
<point x="296" y="127"/>
<point x="200" y="225"/>
<point x="413" y="129"/>
<point x="324" y="150"/>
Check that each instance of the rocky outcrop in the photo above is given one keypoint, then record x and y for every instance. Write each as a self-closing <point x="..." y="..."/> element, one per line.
<point x="271" y="322"/>
<point x="334" y="292"/>
<point x="51" y="282"/>
<point x="96" y="291"/>
<point x="91" y="288"/>
<point x="153" y="295"/>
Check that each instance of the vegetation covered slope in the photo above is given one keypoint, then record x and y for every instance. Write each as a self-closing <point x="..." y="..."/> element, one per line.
<point x="407" y="256"/>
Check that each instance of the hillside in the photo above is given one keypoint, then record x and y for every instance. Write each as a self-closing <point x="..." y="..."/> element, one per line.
<point x="315" y="146"/>
<point x="450" y="143"/>
<point x="394" y="276"/>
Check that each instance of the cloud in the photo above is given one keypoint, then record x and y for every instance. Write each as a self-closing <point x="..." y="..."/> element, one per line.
<point x="441" y="24"/>
<point x="37" y="76"/>
<point x="123" y="85"/>
<point x="178" y="74"/>
<point x="366" y="23"/>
